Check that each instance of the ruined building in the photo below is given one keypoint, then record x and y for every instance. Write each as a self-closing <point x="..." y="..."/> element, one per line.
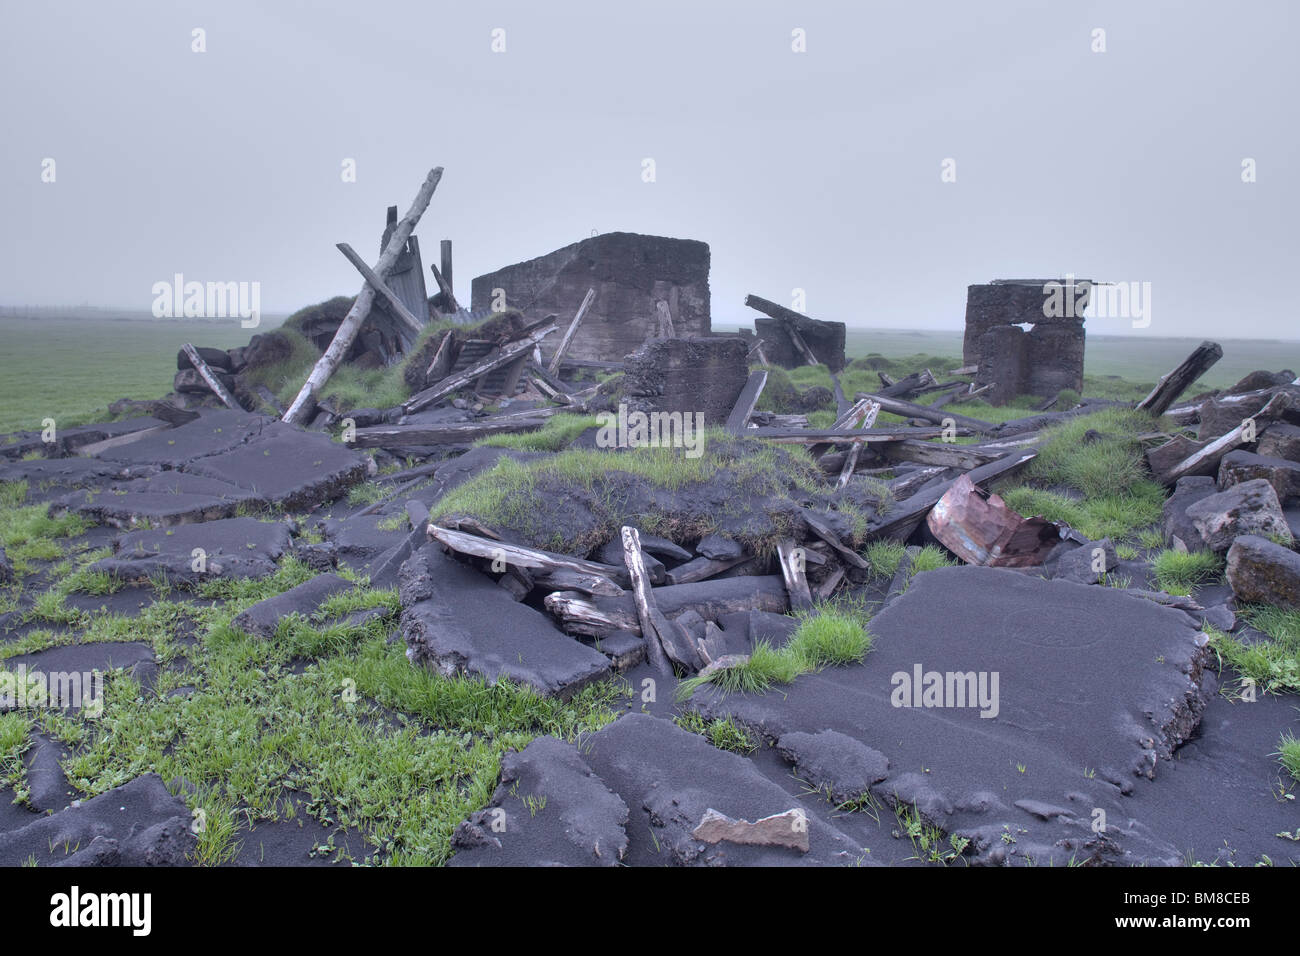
<point x="1021" y="344"/>
<point x="631" y="274"/>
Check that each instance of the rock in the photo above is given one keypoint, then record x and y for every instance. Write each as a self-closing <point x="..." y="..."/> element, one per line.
<point x="1219" y="417"/>
<point x="550" y="809"/>
<point x="1220" y="617"/>
<point x="190" y="382"/>
<point x="6" y="567"/>
<point x="1247" y="508"/>
<point x="137" y="824"/>
<point x="1080" y="564"/>
<point x="834" y="763"/>
<point x="459" y="622"/>
<point x="1280" y="440"/>
<point x="1260" y="379"/>
<point x="716" y="547"/>
<point x="217" y="359"/>
<point x="611" y="552"/>
<point x="788" y="830"/>
<point x="631" y="274"/>
<point x="1240" y="466"/>
<point x="1176" y="525"/>
<point x="1262" y="572"/>
<point x="319" y="557"/>
<point x="262" y="619"/>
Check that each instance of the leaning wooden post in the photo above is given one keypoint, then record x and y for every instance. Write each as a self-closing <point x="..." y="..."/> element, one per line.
<point x="356" y="316"/>
<point x="380" y="286"/>
<point x="1175" y="382"/>
<point x="644" y="601"/>
<point x="210" y="377"/>
<point x="554" y="367"/>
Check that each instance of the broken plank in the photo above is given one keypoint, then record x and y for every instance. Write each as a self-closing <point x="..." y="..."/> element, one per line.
<point x="380" y="286"/>
<point x="1175" y="382"/>
<point x="810" y="436"/>
<point x="938" y="453"/>
<point x="702" y="568"/>
<point x="397" y="436"/>
<point x="793" y="572"/>
<point x="655" y="628"/>
<point x="832" y="539"/>
<point x="532" y="559"/>
<point x="554" y="367"/>
<point x="939" y="416"/>
<point x="746" y="402"/>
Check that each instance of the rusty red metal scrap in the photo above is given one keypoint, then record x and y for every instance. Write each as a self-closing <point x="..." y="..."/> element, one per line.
<point x="979" y="528"/>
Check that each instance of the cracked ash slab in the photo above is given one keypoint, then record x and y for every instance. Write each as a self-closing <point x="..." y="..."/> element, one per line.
<point x="285" y="466"/>
<point x="1095" y="688"/>
<point x="459" y="622"/>
<point x="670" y="779"/>
<point x="212" y="433"/>
<point x="232" y="547"/>
<point x="550" y="809"/>
<point x="167" y="498"/>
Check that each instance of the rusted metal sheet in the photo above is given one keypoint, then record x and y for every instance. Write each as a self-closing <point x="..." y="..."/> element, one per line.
<point x="979" y="528"/>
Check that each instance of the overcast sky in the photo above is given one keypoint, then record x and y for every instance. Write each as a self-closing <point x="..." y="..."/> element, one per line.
<point x="818" y="170"/>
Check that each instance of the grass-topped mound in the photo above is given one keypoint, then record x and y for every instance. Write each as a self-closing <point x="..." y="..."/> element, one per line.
<point x="576" y="500"/>
<point x="1090" y="473"/>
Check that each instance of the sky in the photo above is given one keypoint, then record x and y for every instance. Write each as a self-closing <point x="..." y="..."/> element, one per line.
<point x="821" y="169"/>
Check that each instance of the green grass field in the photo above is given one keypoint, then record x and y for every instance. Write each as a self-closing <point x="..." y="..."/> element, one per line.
<point x="70" y="369"/>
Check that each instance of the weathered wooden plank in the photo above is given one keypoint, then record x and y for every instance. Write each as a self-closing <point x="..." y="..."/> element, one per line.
<point x="938" y="453"/>
<point x="531" y="558"/>
<point x="396" y="436"/>
<point x="654" y="626"/>
<point x="793" y="573"/>
<point x="553" y="367"/>
<point x="1175" y="382"/>
<point x="939" y="416"/>
<point x="811" y="436"/>
<point x="210" y="377"/>
<point x="746" y="402"/>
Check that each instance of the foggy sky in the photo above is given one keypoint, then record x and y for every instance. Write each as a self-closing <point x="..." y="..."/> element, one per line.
<point x="818" y="170"/>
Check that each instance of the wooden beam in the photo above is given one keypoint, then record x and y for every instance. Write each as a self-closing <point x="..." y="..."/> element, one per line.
<point x="809" y="436"/>
<point x="351" y="324"/>
<point x="210" y="377"/>
<point x="1175" y="382"/>
<point x="702" y="568"/>
<point x="851" y="459"/>
<point x="832" y="539"/>
<point x="381" y="287"/>
<point x="445" y="288"/>
<point x="938" y="453"/>
<point x="897" y="406"/>
<point x="531" y="558"/>
<point x="452" y="433"/>
<point x="792" y="572"/>
<point x="654" y="626"/>
<point x="746" y="402"/>
<point x="460" y="380"/>
<point x="553" y="367"/>
<point x="445" y="254"/>
<point x="1207" y="458"/>
<point x="665" y="319"/>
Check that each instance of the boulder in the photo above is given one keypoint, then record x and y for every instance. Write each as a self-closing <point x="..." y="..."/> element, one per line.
<point x="217" y="359"/>
<point x="1250" y="507"/>
<point x="1174" y="521"/>
<point x="1080" y="564"/>
<point x="1280" y="440"/>
<point x="1263" y="572"/>
<point x="1240" y="466"/>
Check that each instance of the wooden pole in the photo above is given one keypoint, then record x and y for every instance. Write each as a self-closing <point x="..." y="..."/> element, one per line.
<point x="1174" y="383"/>
<point x="554" y="367"/>
<point x="356" y="316"/>
<point x="210" y="377"/>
